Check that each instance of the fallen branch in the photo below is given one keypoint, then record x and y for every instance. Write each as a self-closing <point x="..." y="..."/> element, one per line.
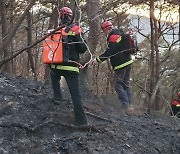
<point x="18" y="125"/>
<point x="99" y="117"/>
<point x="32" y="45"/>
<point x="30" y="129"/>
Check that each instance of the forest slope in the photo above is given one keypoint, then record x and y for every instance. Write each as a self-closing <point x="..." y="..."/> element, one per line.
<point x="31" y="124"/>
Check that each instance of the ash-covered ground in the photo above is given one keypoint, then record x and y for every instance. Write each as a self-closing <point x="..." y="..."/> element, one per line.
<point x="31" y="124"/>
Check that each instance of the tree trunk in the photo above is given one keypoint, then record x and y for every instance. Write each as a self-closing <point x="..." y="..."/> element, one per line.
<point x="29" y="42"/>
<point x="154" y="101"/>
<point x="94" y="24"/>
<point x="11" y="18"/>
<point x="53" y="23"/>
<point x="5" y="53"/>
<point x="14" y="29"/>
<point x="94" y="30"/>
<point x="151" y="65"/>
<point x="156" y="104"/>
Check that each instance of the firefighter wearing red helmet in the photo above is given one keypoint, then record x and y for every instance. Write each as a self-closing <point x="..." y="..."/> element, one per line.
<point x="65" y="11"/>
<point x="120" y="61"/>
<point x="73" y="45"/>
<point x="65" y="14"/>
<point x="107" y="25"/>
<point x="175" y="105"/>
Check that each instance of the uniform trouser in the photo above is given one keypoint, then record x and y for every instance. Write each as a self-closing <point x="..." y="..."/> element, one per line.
<point x="72" y="80"/>
<point x="121" y="81"/>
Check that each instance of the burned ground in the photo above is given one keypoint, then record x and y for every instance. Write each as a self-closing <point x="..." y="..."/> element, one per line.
<point x="31" y="124"/>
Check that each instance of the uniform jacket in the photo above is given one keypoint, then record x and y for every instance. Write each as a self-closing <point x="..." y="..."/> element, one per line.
<point x="176" y="102"/>
<point x="116" y="44"/>
<point x="175" y="105"/>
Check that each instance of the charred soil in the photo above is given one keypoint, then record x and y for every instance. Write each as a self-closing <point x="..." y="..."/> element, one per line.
<point x="31" y="124"/>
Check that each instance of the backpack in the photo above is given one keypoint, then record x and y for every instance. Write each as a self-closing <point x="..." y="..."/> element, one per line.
<point x="53" y="48"/>
<point x="53" y="51"/>
<point x="130" y="44"/>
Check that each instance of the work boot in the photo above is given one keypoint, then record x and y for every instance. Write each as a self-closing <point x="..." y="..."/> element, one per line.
<point x="130" y="110"/>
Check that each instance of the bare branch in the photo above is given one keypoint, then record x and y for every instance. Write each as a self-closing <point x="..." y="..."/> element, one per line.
<point x="13" y="31"/>
<point x="29" y="47"/>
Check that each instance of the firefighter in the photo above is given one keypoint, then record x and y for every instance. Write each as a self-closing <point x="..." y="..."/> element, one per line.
<point x="175" y="105"/>
<point x="120" y="61"/>
<point x="73" y="46"/>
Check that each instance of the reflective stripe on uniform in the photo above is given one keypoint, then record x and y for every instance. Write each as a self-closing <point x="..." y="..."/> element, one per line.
<point x="99" y="60"/>
<point x="178" y="105"/>
<point x="66" y="68"/>
<point x="75" y="30"/>
<point x="123" y="65"/>
<point x="71" y="33"/>
<point x="119" y="39"/>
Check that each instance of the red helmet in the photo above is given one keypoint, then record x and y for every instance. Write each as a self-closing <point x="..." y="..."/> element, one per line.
<point x="65" y="11"/>
<point x="106" y="25"/>
<point x="178" y="94"/>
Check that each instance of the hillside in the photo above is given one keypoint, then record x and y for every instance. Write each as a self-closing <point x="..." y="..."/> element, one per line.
<point x="31" y="124"/>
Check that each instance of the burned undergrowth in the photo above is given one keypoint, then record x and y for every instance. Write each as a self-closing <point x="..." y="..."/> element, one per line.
<point x="31" y="123"/>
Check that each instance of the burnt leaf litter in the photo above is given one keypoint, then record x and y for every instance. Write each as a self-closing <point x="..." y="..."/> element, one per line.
<point x="31" y="124"/>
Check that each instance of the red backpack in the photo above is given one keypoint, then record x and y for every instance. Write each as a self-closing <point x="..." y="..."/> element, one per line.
<point x="131" y="44"/>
